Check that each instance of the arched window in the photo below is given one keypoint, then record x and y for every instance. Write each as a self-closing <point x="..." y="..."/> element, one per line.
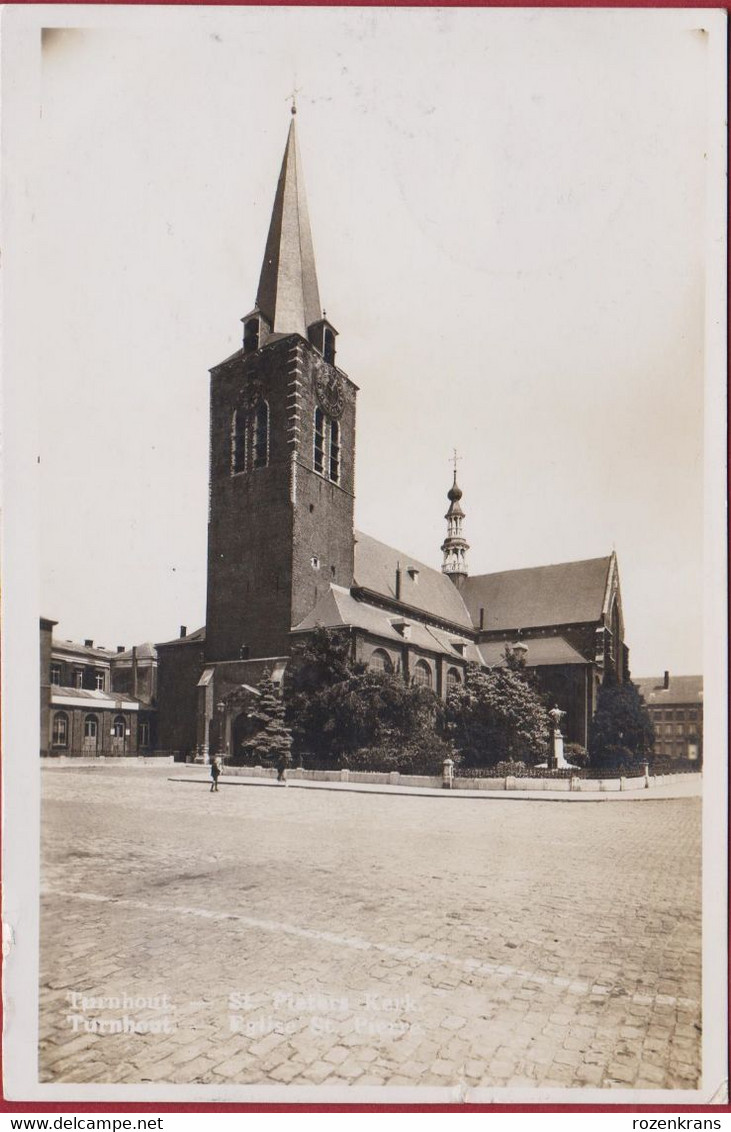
<point x="118" y="727"/>
<point x="380" y="661"/>
<point x="251" y="335"/>
<point x="239" y="423"/>
<point x="453" y="678"/>
<point x="326" y="449"/>
<point x="91" y="727"/>
<point x="319" y="452"/>
<point x="422" y="674"/>
<point x="328" y="346"/>
<point x="335" y="452"/>
<point x="60" y="729"/>
<point x="261" y="435"/>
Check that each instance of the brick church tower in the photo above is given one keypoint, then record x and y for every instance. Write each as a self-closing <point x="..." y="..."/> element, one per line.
<point x="282" y="449"/>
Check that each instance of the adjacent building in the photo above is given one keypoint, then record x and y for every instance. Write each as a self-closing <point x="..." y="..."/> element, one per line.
<point x="95" y="701"/>
<point x="675" y="704"/>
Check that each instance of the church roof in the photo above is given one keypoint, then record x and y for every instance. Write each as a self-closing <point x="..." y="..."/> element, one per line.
<point x="429" y="590"/>
<point x="680" y="690"/>
<point x="288" y="294"/>
<point x="338" y="608"/>
<point x="564" y="594"/>
<point x="542" y="651"/>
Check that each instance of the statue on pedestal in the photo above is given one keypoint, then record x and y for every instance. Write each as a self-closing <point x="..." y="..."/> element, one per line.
<point x="556" y="715"/>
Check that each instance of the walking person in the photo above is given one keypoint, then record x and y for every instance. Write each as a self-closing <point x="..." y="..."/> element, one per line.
<point x="282" y="769"/>
<point x="215" y="772"/>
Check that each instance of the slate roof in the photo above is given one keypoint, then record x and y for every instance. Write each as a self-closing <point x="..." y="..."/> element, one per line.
<point x="542" y="651"/>
<point x="338" y="608"/>
<point x="288" y="294"/>
<point x="80" y="650"/>
<point x="196" y="637"/>
<point x="146" y="651"/>
<point x="682" y="690"/>
<point x="96" y="696"/>
<point x="432" y="592"/>
<point x="564" y="594"/>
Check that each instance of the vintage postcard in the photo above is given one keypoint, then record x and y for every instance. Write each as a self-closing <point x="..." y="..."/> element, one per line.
<point x="364" y="684"/>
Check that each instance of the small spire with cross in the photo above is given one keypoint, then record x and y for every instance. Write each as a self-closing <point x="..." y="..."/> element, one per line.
<point x="455" y="547"/>
<point x="293" y="97"/>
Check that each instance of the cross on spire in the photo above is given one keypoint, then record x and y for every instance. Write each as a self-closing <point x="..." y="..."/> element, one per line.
<point x="455" y="460"/>
<point x="293" y="96"/>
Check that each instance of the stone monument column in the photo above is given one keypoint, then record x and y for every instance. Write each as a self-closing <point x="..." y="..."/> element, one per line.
<point x="556" y="758"/>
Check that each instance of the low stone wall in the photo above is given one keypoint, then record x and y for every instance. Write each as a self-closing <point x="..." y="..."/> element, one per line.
<point x="435" y="782"/>
<point x="110" y="760"/>
<point x="375" y="778"/>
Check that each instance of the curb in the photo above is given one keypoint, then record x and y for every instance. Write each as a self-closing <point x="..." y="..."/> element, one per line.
<point x="426" y="792"/>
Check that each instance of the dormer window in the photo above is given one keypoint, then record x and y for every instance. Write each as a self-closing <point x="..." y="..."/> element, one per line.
<point x="251" y="335"/>
<point x="459" y="647"/>
<point x="403" y="628"/>
<point x="413" y="573"/>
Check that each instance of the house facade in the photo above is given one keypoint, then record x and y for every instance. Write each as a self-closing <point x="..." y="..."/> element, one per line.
<point x="95" y="701"/>
<point x="675" y="704"/>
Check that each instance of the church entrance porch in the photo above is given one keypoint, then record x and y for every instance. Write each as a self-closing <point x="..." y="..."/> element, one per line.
<point x="226" y="692"/>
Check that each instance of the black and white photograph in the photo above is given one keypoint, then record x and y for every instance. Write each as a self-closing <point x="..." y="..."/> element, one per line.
<point x="364" y="515"/>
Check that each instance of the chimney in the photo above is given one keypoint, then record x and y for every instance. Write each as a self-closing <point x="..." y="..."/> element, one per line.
<point x="134" y="671"/>
<point x="666" y="680"/>
<point x="120" y="648"/>
<point x="183" y="630"/>
<point x="398" y="581"/>
<point x="482" y="617"/>
<point x="89" y="644"/>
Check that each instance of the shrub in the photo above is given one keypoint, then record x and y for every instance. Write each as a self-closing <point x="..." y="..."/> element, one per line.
<point x="411" y="757"/>
<point x="510" y="767"/>
<point x="576" y="755"/>
<point x="496" y="715"/>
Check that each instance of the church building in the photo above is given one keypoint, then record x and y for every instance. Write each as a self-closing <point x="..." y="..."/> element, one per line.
<point x="284" y="557"/>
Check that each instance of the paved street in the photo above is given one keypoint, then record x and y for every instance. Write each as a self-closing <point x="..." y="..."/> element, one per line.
<point x="272" y="935"/>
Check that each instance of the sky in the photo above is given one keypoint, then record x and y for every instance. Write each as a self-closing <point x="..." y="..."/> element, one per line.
<point x="509" y="213"/>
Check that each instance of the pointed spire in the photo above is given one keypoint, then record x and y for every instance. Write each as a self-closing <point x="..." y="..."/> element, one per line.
<point x="288" y="294"/>
<point x="455" y="547"/>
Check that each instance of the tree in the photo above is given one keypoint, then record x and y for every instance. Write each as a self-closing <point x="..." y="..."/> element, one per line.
<point x="337" y="707"/>
<point x="321" y="660"/>
<point x="271" y="739"/>
<point x="621" y="729"/>
<point x="496" y="715"/>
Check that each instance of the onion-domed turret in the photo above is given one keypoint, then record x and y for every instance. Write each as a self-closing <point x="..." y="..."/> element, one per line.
<point x="455" y="547"/>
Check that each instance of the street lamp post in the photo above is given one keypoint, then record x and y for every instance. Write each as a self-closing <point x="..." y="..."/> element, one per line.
<point x="221" y="728"/>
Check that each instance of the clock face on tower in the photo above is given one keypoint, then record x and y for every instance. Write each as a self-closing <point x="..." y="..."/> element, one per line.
<point x="330" y="392"/>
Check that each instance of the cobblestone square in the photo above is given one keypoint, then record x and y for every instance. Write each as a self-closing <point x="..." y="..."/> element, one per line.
<point x="272" y="936"/>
